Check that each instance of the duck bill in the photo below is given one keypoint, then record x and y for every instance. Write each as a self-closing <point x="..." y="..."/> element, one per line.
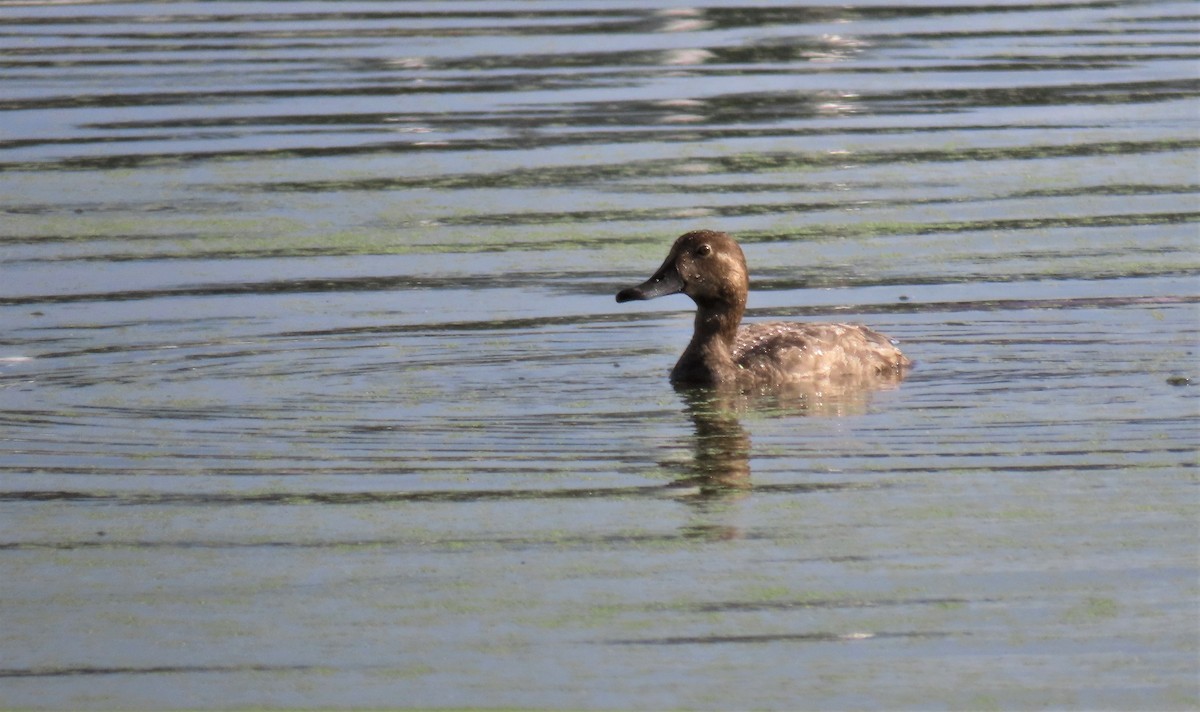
<point x="665" y="281"/>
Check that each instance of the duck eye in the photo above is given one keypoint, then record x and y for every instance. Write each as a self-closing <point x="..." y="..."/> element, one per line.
<point x="703" y="251"/>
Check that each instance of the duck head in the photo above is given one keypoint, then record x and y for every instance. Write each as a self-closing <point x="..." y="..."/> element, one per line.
<point x="706" y="265"/>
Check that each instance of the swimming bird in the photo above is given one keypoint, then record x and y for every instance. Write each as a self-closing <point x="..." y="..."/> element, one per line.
<point x="710" y="267"/>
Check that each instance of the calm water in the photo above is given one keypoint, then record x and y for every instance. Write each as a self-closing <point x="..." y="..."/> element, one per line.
<point x="314" y="391"/>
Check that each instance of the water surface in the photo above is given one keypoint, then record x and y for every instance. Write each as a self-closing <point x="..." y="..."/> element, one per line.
<point x="315" y="392"/>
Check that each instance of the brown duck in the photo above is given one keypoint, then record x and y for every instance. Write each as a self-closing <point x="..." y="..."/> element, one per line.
<point x="710" y="268"/>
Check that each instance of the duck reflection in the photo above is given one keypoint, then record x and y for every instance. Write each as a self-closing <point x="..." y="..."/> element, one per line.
<point x="721" y="460"/>
<point x="718" y="474"/>
<point x="720" y="465"/>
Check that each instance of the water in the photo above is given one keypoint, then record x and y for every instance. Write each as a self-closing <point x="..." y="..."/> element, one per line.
<point x="315" y="392"/>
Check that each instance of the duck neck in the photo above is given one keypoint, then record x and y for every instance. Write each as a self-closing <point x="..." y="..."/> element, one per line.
<point x="708" y="359"/>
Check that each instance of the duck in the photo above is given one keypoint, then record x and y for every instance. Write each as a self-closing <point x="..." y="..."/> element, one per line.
<point x="710" y="267"/>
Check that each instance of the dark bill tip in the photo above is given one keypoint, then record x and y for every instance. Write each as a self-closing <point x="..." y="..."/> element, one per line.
<point x="630" y="294"/>
<point x="666" y="281"/>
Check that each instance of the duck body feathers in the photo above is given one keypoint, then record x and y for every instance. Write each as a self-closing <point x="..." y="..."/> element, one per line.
<point x="781" y="353"/>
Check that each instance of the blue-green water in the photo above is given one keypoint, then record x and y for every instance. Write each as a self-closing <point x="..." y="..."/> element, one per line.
<point x="313" y="391"/>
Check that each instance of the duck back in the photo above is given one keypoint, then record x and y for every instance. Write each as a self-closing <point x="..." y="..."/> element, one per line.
<point x="781" y="352"/>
